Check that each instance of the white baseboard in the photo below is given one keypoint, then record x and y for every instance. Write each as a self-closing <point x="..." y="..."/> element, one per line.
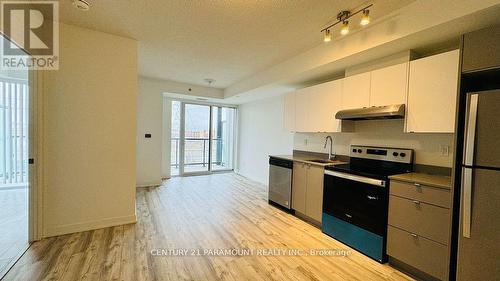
<point x="89" y="225"/>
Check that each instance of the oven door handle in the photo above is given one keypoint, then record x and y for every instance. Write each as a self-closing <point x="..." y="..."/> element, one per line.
<point x="356" y="178"/>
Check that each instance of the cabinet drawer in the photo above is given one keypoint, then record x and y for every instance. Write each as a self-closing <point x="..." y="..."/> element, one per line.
<point x="423" y="193"/>
<point x="421" y="253"/>
<point x="420" y="218"/>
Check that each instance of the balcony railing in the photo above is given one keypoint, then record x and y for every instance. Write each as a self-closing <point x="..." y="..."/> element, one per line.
<point x="196" y="152"/>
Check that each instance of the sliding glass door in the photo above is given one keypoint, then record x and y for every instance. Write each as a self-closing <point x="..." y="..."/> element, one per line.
<point x="202" y="138"/>
<point x="222" y="137"/>
<point x="196" y="136"/>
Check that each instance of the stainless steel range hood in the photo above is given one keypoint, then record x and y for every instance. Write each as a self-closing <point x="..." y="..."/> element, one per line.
<point x="396" y="111"/>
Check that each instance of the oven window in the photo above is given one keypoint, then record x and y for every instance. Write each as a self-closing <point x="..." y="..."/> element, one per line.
<point x="358" y="203"/>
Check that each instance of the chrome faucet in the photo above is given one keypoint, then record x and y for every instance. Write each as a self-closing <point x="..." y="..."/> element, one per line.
<point x="331" y="155"/>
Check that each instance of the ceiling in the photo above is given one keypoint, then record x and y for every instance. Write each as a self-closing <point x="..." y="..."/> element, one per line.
<point x="226" y="40"/>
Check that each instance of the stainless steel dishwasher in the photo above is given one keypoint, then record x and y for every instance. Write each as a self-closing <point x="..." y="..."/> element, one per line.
<point x="280" y="182"/>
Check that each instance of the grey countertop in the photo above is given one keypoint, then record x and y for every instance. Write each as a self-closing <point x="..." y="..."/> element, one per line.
<point x="440" y="181"/>
<point x="306" y="159"/>
<point x="426" y="179"/>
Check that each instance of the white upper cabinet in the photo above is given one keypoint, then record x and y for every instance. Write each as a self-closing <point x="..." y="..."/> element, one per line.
<point x="356" y="91"/>
<point x="432" y="93"/>
<point x="389" y="85"/>
<point x="427" y="86"/>
<point x="310" y="103"/>
<point x="315" y="108"/>
<point x="302" y="108"/>
<point x="326" y="101"/>
<point x="289" y="112"/>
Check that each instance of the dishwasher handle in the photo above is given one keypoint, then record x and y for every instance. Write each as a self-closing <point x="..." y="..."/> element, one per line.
<point x="281" y="162"/>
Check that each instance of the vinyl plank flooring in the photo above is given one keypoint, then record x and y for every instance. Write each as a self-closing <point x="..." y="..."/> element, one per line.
<point x="204" y="213"/>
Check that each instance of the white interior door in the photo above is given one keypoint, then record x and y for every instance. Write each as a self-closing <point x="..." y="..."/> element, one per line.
<point x="15" y="152"/>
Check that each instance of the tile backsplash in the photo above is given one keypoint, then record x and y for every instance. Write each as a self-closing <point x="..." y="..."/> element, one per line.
<point x="430" y="149"/>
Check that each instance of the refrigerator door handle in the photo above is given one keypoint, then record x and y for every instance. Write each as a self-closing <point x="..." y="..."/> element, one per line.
<point x="466" y="201"/>
<point x="470" y="132"/>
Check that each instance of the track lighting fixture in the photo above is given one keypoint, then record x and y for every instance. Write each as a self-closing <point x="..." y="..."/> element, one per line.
<point x="343" y="17"/>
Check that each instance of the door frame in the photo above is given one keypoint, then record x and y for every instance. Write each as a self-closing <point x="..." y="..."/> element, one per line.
<point x="35" y="143"/>
<point x="183" y="103"/>
<point x="183" y="141"/>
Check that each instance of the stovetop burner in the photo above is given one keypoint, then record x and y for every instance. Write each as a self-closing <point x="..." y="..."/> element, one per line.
<point x="375" y="171"/>
<point x="377" y="162"/>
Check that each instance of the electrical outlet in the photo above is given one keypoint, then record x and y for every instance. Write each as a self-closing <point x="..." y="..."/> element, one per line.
<point x="444" y="150"/>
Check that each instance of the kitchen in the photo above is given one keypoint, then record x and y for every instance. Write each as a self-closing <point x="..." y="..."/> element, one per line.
<point x="382" y="188"/>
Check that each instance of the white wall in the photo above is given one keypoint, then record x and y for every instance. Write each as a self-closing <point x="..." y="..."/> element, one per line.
<point x="149" y="121"/>
<point x="88" y="134"/>
<point x="261" y="134"/>
<point x="388" y="133"/>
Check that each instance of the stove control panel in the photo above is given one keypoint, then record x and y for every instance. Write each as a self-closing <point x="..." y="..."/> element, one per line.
<point x="400" y="155"/>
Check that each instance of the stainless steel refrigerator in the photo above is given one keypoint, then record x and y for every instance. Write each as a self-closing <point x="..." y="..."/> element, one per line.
<point x="479" y="226"/>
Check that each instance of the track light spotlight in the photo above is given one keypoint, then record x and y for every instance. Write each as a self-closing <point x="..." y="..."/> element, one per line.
<point x="345" y="28"/>
<point x="365" y="19"/>
<point x="328" y="36"/>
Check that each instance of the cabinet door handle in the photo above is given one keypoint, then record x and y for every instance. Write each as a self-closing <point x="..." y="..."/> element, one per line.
<point x="347" y="215"/>
<point x="417" y="184"/>
<point x="414" y="235"/>
<point x="416" y="202"/>
<point x="470" y="132"/>
<point x="372" y="197"/>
